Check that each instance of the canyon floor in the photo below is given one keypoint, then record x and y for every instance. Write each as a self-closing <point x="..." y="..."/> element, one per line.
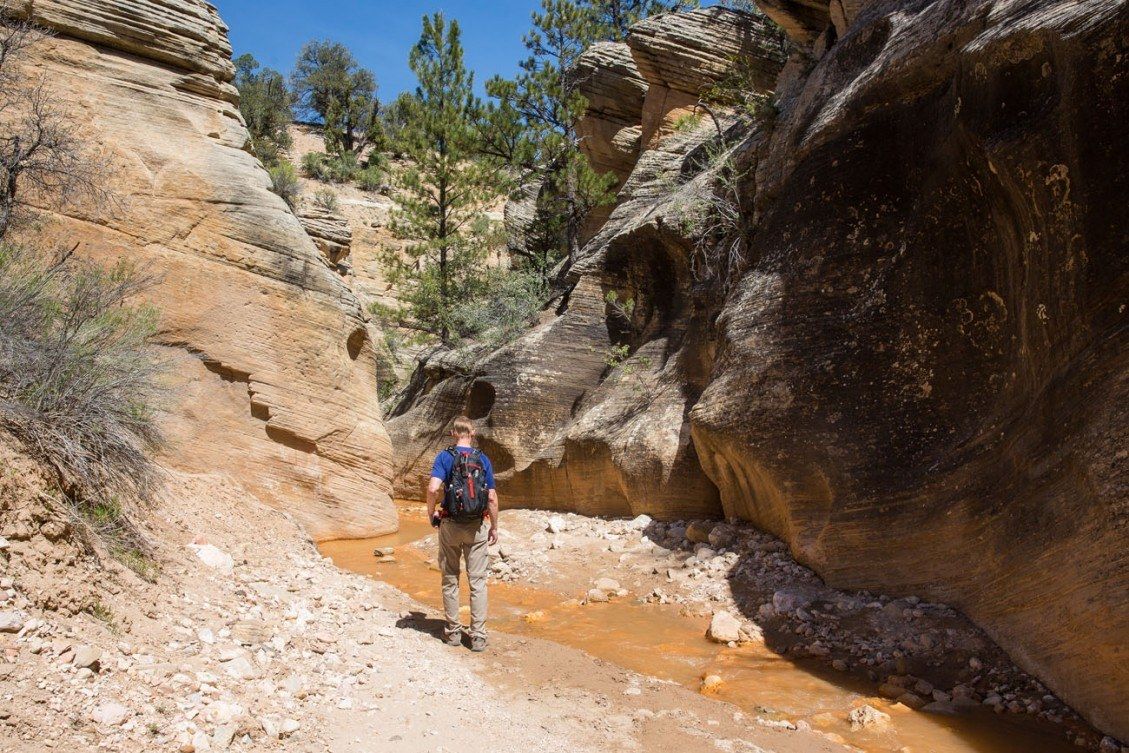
<point x="245" y="637"/>
<point x="249" y="639"/>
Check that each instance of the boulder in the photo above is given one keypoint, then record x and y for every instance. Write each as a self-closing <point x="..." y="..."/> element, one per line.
<point x="867" y="717"/>
<point x="699" y="531"/>
<point x="724" y="628"/>
<point x="87" y="657"/>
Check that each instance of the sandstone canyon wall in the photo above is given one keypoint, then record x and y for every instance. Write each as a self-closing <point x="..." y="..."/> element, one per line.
<point x="270" y="356"/>
<point x="919" y="381"/>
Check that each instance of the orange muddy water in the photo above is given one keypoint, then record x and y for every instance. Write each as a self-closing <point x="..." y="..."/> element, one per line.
<point x="658" y="640"/>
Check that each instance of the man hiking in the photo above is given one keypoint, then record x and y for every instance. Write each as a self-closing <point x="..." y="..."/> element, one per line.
<point x="463" y="476"/>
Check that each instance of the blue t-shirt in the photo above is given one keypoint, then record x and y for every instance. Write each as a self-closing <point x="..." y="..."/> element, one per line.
<point x="445" y="461"/>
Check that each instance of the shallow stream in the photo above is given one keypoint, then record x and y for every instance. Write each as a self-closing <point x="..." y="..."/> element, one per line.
<point x="660" y="641"/>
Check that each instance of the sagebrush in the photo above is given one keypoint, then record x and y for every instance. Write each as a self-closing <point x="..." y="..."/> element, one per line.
<point x="78" y="379"/>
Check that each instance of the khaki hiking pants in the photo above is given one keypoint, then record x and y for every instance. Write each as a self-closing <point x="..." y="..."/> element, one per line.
<point x="464" y="541"/>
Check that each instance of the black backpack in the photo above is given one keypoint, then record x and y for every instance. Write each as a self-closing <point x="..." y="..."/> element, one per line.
<point x="467" y="495"/>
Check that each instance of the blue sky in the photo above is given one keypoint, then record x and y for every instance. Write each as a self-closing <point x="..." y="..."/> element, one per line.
<point x="379" y="33"/>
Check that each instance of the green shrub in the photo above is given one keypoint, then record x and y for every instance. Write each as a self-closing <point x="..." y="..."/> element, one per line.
<point x="326" y="199"/>
<point x="506" y="309"/>
<point x="284" y="182"/>
<point x="78" y="380"/>
<point x="372" y="178"/>
<point x="313" y="164"/>
<point x="330" y="168"/>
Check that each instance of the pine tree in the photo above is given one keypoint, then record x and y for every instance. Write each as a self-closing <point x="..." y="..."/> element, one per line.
<point x="445" y="186"/>
<point x="533" y="124"/>
<point x="613" y="18"/>
<point x="264" y="102"/>
<point x="329" y="85"/>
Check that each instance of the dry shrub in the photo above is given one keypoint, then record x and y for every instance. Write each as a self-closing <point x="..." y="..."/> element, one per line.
<point x="77" y="377"/>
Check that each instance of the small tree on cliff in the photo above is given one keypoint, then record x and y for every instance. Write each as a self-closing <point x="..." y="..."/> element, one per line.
<point x="330" y="86"/>
<point x="444" y="187"/>
<point x="264" y="101"/>
<point x="533" y="124"/>
<point x="42" y="153"/>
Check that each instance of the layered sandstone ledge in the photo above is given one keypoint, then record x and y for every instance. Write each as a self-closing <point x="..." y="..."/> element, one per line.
<point x="270" y="356"/>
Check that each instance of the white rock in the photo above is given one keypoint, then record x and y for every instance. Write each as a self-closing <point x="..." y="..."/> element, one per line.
<point x="724" y="628"/>
<point x="556" y="524"/>
<point x="222" y="712"/>
<point x="110" y="714"/>
<point x="200" y="742"/>
<point x="87" y="657"/>
<point x="289" y="726"/>
<point x="223" y="736"/>
<point x="596" y="595"/>
<point x="270" y="727"/>
<point x="241" y="668"/>
<point x="639" y="522"/>
<point x="11" y="622"/>
<point x="214" y="557"/>
<point x="606" y="584"/>
<point x="206" y="636"/>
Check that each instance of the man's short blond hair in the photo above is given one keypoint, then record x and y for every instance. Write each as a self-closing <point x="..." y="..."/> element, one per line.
<point x="462" y="427"/>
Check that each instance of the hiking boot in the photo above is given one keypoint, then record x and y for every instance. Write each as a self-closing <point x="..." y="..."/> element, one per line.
<point x="454" y="639"/>
<point x="478" y="644"/>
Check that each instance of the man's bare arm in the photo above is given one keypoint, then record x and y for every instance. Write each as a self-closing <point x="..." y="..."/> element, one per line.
<point x="433" y="487"/>
<point x="492" y="511"/>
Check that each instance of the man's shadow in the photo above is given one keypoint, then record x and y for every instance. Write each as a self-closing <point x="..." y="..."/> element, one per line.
<point x="419" y="621"/>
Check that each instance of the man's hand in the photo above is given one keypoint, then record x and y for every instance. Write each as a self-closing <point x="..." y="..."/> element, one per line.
<point x="493" y="537"/>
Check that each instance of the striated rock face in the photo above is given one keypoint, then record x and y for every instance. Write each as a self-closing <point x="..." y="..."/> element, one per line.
<point x="918" y="380"/>
<point x="610" y="129"/>
<point x="329" y="231"/>
<point x="270" y="357"/>
<point x="682" y="55"/>
<point x="922" y="378"/>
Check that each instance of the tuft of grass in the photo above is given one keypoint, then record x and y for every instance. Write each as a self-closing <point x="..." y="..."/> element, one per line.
<point x="103" y="614"/>
<point x="687" y="123"/>
<point x="326" y="199"/>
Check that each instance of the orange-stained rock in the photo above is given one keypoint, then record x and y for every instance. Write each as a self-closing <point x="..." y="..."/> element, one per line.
<point x="270" y="356"/>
